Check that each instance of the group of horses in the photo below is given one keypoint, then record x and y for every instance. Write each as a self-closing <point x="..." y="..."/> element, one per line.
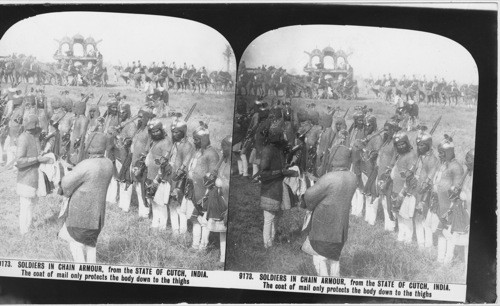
<point x="27" y="69"/>
<point x="427" y="92"/>
<point x="20" y="69"/>
<point x="176" y="79"/>
<point x="264" y="82"/>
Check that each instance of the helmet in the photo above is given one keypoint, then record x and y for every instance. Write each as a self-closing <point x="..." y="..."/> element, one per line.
<point x="125" y="110"/>
<point x="97" y="143"/>
<point x="79" y="108"/>
<point x="399" y="139"/>
<point x="423" y="139"/>
<point x="446" y="148"/>
<point x="341" y="157"/>
<point x="325" y="120"/>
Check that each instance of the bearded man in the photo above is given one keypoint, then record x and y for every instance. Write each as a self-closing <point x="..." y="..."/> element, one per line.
<point x="94" y="115"/>
<point x="404" y="186"/>
<point x="312" y="131"/>
<point x="258" y="130"/>
<point x="448" y="177"/>
<point x="370" y="145"/>
<point x="111" y="121"/>
<point x="426" y="220"/>
<point x="324" y="143"/>
<point x="357" y="132"/>
<point x="330" y="202"/>
<point x="65" y="118"/>
<point x="86" y="186"/>
<point x="273" y="172"/>
<point x="203" y="162"/>
<point x="28" y="160"/>
<point x="217" y="197"/>
<point x="181" y="156"/>
<point x="15" y="113"/>
<point x="81" y="122"/>
<point x="140" y="145"/>
<point x="160" y="146"/>
<point x="386" y="155"/>
<point x="119" y="148"/>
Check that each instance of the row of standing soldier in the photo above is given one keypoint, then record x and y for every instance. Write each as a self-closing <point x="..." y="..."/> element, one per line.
<point x="299" y="155"/>
<point x="188" y="180"/>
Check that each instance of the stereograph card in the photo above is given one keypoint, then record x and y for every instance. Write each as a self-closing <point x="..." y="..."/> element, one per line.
<point x="301" y="159"/>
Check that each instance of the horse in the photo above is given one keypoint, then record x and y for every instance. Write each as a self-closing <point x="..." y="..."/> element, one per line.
<point x="199" y="80"/>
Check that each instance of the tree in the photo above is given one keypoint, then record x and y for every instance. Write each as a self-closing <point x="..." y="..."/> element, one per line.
<point x="227" y="55"/>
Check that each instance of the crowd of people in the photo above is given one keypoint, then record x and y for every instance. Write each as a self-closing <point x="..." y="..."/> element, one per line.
<point x="65" y="146"/>
<point x="311" y="158"/>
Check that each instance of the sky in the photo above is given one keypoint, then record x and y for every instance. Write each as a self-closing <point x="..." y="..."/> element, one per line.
<point x="125" y="38"/>
<point x="375" y="51"/>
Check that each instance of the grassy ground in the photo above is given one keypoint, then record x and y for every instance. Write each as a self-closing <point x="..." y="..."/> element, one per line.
<point x="126" y="238"/>
<point x="370" y="252"/>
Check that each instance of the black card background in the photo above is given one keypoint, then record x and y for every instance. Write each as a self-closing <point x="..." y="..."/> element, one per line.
<point x="242" y="23"/>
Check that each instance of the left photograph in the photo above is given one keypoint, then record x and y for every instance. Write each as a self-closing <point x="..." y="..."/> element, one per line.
<point x="115" y="140"/>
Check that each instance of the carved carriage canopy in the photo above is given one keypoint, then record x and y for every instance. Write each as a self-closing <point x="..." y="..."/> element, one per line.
<point x="77" y="48"/>
<point x="324" y="57"/>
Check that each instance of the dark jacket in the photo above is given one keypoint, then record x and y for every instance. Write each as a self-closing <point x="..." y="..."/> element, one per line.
<point x="86" y="185"/>
<point x="272" y="160"/>
<point x="330" y="200"/>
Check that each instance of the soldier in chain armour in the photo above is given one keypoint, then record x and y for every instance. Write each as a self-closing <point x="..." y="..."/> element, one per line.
<point x="181" y="155"/>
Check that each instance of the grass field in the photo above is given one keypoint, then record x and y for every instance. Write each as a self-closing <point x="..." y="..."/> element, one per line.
<point x="370" y="252"/>
<point x="126" y="238"/>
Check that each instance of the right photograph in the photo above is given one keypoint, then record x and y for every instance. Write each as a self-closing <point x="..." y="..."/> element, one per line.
<point x="353" y="155"/>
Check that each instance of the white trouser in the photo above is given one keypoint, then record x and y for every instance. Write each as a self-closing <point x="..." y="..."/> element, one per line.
<point x="82" y="253"/>
<point x="11" y="152"/>
<point x="26" y="213"/>
<point x="446" y="248"/>
<point x="178" y="219"/>
<point x="79" y="251"/>
<point x="222" y="240"/>
<point x="269" y="230"/>
<point x="255" y="168"/>
<point x="405" y="233"/>
<point x="160" y="215"/>
<point x="125" y="197"/>
<point x="143" y="210"/>
<point x="389" y="225"/>
<point x="200" y="236"/>
<point x="112" y="193"/>
<point x="423" y="232"/>
<point x="371" y="209"/>
<point x="357" y="203"/>
<point x="321" y="264"/>
<point x="244" y="164"/>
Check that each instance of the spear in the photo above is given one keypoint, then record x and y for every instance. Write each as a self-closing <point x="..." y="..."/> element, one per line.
<point x="346" y="112"/>
<point x="434" y="127"/>
<point x="190" y="112"/>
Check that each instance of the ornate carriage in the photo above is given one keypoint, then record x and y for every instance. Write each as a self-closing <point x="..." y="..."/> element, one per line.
<point x="78" y="49"/>
<point x="330" y="71"/>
